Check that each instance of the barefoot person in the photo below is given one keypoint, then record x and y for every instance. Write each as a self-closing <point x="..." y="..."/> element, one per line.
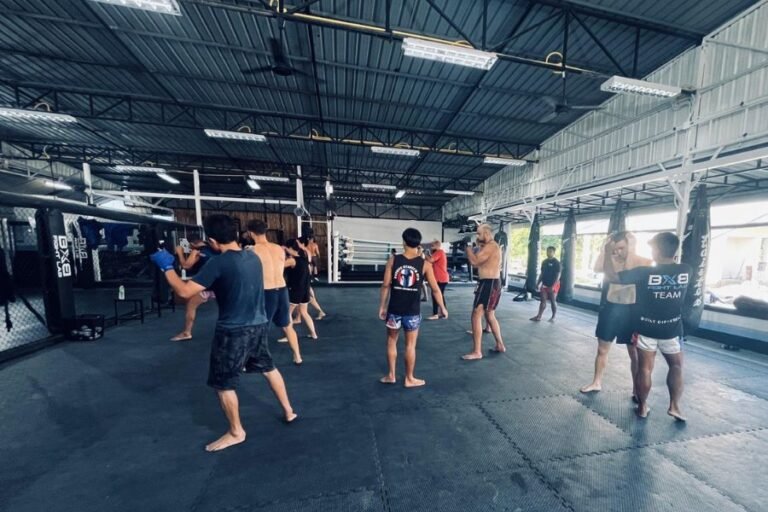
<point x="549" y="284"/>
<point x="191" y="262"/>
<point x="299" y="291"/>
<point x="439" y="262"/>
<point x="488" y="291"/>
<point x="658" y="317"/>
<point x="276" y="301"/>
<point x="400" y="304"/>
<point x="241" y="329"/>
<point x="614" y="321"/>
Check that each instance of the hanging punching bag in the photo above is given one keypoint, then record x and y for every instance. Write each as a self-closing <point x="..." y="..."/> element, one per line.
<point x="532" y="269"/>
<point x="695" y="254"/>
<point x="568" y="258"/>
<point x="56" y="269"/>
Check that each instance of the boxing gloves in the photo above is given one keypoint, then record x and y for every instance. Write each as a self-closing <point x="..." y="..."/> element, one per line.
<point x="163" y="259"/>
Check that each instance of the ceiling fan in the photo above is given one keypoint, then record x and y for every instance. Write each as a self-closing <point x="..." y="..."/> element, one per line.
<point x="562" y="107"/>
<point x="280" y="63"/>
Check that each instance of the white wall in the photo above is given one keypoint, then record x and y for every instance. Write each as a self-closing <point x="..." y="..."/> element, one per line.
<point x="385" y="230"/>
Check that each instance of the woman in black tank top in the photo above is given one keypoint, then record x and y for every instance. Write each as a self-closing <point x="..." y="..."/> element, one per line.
<point x="298" y="280"/>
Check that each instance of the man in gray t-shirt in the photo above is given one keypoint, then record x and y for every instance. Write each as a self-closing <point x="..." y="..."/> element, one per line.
<point x="237" y="279"/>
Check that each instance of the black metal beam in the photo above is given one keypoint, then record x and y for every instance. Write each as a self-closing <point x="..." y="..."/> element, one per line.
<point x="623" y="18"/>
<point x="155" y="111"/>
<point x="451" y="23"/>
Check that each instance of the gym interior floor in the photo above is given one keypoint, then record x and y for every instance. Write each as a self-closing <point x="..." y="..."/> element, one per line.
<point x="120" y="424"/>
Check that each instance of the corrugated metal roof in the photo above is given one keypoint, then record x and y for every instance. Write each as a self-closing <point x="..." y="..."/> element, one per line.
<point x="184" y="73"/>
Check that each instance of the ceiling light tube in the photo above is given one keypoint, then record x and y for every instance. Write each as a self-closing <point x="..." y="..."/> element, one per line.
<point x="19" y="114"/>
<point x="138" y="168"/>
<point x="159" y="6"/>
<point x="399" y="194"/>
<point x="58" y="185"/>
<point x="459" y="192"/>
<point x="448" y="53"/>
<point x="624" y="85"/>
<point x="167" y="177"/>
<point x="281" y="179"/>
<point x="376" y="186"/>
<point x="503" y="161"/>
<point x="395" y="151"/>
<point x="253" y="184"/>
<point x="226" y="134"/>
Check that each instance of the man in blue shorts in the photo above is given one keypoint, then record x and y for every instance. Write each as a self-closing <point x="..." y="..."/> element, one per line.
<point x="400" y="304"/>
<point x="240" y="340"/>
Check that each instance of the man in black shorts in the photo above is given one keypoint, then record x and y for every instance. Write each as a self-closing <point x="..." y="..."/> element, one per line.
<point x="488" y="292"/>
<point x="614" y="320"/>
<point x="240" y="341"/>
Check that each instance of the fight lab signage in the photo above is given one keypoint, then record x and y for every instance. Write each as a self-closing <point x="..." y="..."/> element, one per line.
<point x="61" y="256"/>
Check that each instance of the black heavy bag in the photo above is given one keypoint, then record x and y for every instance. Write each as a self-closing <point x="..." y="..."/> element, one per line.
<point x="618" y="221"/>
<point x="501" y="238"/>
<point x="56" y="269"/>
<point x="696" y="254"/>
<point x="533" y="255"/>
<point x="568" y="258"/>
<point x="7" y="294"/>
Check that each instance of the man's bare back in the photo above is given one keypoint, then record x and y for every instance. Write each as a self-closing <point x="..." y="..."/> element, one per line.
<point x="272" y="259"/>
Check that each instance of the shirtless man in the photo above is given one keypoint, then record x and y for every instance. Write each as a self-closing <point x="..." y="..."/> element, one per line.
<point x="276" y="302"/>
<point x="614" y="321"/>
<point x="488" y="292"/>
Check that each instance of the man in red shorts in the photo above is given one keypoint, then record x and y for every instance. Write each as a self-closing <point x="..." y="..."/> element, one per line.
<point x="549" y="279"/>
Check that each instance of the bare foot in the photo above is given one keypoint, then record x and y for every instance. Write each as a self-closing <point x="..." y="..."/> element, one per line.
<point x="414" y="383"/>
<point x="552" y="319"/>
<point x="225" y="441"/>
<point x="643" y="411"/>
<point x="182" y="336"/>
<point x="499" y="349"/>
<point x="313" y="336"/>
<point x="535" y="319"/>
<point x="320" y="316"/>
<point x="485" y="331"/>
<point x="290" y="418"/>
<point x="433" y="317"/>
<point x="282" y="340"/>
<point x="675" y="413"/>
<point x="592" y="387"/>
<point x="298" y="361"/>
<point x="472" y="356"/>
<point x="388" y="379"/>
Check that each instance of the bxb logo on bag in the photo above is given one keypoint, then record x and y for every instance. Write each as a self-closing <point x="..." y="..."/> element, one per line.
<point x="665" y="280"/>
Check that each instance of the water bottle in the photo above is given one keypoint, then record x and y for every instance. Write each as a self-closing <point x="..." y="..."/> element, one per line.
<point x="183" y="274"/>
<point x="121" y="293"/>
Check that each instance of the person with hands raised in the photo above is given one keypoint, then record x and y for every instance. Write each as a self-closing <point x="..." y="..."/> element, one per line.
<point x="240" y="339"/>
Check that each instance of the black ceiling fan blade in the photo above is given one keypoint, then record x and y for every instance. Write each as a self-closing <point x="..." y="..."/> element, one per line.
<point x="549" y="117"/>
<point x="549" y="100"/>
<point x="260" y="69"/>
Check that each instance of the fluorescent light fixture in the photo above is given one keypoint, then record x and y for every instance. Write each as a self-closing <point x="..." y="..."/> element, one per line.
<point x="18" y="114"/>
<point x="253" y="184"/>
<point x="281" y="179"/>
<point x="375" y="186"/>
<point x="448" y="53"/>
<point x="138" y="168"/>
<point x="400" y="194"/>
<point x="161" y="6"/>
<point x="623" y="85"/>
<point x="167" y="177"/>
<point x="58" y="185"/>
<point x="225" y="134"/>
<point x="395" y="151"/>
<point x="503" y="161"/>
<point x="459" y="192"/>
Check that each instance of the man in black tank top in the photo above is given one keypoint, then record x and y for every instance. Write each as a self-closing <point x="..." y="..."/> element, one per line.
<point x="400" y="303"/>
